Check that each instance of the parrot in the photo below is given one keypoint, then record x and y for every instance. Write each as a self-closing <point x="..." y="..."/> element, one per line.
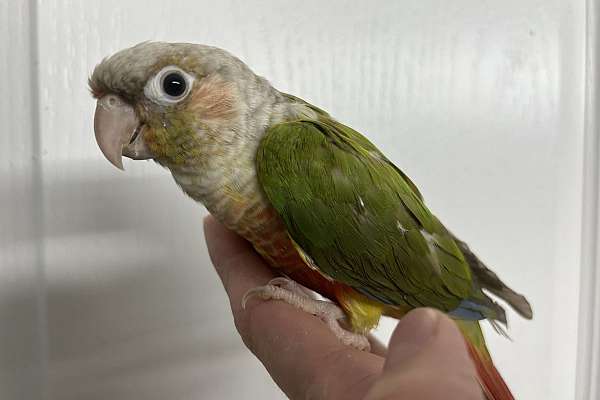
<point x="322" y="205"/>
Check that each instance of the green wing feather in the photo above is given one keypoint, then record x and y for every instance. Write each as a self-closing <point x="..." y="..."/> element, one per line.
<point x="359" y="217"/>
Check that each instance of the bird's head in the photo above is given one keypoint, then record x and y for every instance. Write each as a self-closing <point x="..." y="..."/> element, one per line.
<point x="176" y="103"/>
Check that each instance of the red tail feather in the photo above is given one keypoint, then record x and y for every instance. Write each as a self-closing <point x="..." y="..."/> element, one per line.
<point x="491" y="381"/>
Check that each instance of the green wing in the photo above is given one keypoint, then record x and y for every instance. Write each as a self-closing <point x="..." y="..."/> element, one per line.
<point x="358" y="217"/>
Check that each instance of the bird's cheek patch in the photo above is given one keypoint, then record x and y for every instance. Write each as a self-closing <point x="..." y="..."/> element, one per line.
<point x="214" y="99"/>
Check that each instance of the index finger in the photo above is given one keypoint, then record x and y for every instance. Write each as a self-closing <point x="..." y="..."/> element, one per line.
<point x="302" y="355"/>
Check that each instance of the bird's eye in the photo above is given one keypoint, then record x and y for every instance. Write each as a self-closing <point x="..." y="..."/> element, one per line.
<point x="174" y="84"/>
<point x="169" y="86"/>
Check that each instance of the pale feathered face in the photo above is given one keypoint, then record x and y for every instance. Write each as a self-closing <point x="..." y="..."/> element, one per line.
<point x="170" y="102"/>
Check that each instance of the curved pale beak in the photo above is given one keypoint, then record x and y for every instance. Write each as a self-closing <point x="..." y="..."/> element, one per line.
<point x="118" y="131"/>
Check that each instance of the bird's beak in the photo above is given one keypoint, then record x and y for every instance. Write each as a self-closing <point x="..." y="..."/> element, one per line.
<point x="119" y="131"/>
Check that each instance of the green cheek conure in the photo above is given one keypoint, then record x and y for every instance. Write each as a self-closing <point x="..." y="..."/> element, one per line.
<point x="317" y="200"/>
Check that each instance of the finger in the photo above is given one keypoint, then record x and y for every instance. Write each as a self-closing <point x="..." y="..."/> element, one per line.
<point x="233" y="257"/>
<point x="414" y="331"/>
<point x="299" y="351"/>
<point x="427" y="359"/>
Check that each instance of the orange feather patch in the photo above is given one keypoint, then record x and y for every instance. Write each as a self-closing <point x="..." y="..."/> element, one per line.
<point x="214" y="99"/>
<point x="491" y="381"/>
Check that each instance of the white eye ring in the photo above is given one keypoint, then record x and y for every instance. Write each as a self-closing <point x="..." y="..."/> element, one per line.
<point x="179" y="84"/>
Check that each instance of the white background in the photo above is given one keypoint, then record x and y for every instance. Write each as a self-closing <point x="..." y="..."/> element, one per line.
<point x="106" y="291"/>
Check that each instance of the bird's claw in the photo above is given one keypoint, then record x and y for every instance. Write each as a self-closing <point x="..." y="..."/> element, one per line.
<point x="286" y="290"/>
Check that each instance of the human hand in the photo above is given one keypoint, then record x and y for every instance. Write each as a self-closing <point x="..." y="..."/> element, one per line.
<point x="427" y="357"/>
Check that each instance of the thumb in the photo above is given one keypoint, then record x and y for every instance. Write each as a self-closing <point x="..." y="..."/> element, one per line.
<point x="427" y="359"/>
<point x="426" y="335"/>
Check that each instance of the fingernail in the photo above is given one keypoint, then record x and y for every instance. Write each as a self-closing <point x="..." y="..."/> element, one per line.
<point x="413" y="331"/>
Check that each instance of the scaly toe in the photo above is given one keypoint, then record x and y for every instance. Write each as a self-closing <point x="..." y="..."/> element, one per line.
<point x="257" y="291"/>
<point x="261" y="291"/>
<point x="272" y="292"/>
<point x="280" y="281"/>
<point x="292" y="293"/>
<point x="291" y="285"/>
<point x="332" y="318"/>
<point x="358" y="341"/>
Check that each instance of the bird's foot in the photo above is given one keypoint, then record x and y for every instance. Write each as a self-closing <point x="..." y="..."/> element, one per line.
<point x="287" y="290"/>
<point x="292" y="286"/>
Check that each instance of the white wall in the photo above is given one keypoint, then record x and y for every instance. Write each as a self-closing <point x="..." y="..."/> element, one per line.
<point x="105" y="286"/>
<point x="22" y="310"/>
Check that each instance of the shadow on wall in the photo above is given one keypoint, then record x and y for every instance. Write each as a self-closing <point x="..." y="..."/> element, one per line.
<point x="134" y="308"/>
